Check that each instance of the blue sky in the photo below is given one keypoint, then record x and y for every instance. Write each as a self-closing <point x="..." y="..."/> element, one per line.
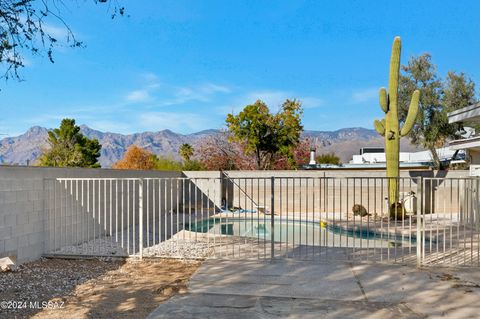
<point x="183" y="65"/>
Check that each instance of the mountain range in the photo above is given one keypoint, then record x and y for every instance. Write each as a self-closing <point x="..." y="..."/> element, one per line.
<point x="26" y="148"/>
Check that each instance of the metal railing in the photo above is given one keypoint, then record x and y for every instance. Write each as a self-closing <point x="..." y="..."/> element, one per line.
<point x="450" y="221"/>
<point x="275" y="217"/>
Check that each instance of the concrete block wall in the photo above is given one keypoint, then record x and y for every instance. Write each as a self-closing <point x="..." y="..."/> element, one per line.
<point x="25" y="228"/>
<point x="21" y="218"/>
<point x="248" y="189"/>
<point x="24" y="225"/>
<point x="109" y="207"/>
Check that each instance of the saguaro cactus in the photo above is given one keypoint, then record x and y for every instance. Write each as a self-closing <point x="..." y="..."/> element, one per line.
<point x="390" y="126"/>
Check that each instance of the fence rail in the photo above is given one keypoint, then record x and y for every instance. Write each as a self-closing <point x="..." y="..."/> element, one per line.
<point x="317" y="218"/>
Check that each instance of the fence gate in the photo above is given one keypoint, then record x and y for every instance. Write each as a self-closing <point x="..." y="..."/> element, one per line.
<point x="90" y="216"/>
<point x="450" y="222"/>
<point x="308" y="218"/>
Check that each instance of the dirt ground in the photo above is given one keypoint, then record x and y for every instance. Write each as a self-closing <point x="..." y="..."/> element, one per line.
<point x="56" y="288"/>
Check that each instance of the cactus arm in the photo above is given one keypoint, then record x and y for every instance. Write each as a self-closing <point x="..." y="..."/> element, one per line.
<point x="383" y="100"/>
<point x="379" y="127"/>
<point x="394" y="73"/>
<point x="412" y="114"/>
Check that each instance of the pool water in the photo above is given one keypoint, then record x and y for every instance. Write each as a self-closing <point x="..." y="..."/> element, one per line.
<point x="300" y="233"/>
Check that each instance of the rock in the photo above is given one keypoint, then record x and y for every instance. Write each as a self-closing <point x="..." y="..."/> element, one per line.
<point x="359" y="210"/>
<point x="8" y="264"/>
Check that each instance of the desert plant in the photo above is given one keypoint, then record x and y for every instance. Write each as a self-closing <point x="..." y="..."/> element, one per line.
<point x="186" y="152"/>
<point x="328" y="158"/>
<point x="389" y="127"/>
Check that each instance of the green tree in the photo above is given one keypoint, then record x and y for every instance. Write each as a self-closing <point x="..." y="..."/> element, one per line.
<point x="328" y="158"/>
<point x="186" y="152"/>
<point x="458" y="91"/>
<point x="70" y="148"/>
<point x="265" y="134"/>
<point x="163" y="163"/>
<point x="437" y="98"/>
<point x="193" y="165"/>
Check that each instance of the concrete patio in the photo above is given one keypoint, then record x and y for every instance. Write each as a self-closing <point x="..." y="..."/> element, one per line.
<point x="298" y="289"/>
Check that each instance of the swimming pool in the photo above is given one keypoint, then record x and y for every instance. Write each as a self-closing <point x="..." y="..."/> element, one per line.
<point x="301" y="232"/>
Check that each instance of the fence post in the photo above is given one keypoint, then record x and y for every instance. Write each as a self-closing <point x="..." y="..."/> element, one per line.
<point x="272" y="219"/>
<point x="140" y="213"/>
<point x="420" y="224"/>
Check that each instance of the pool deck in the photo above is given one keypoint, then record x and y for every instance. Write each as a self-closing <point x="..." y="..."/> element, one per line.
<point x="299" y="289"/>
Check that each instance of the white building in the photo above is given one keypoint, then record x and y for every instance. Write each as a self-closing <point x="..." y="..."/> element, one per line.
<point x="469" y="142"/>
<point x="420" y="158"/>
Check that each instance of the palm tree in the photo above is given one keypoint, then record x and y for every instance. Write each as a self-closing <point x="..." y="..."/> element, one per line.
<point x="186" y="151"/>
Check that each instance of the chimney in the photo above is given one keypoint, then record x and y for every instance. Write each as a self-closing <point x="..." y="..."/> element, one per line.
<point x="312" y="156"/>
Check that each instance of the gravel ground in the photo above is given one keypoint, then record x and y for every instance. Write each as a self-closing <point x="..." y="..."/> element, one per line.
<point x="99" y="246"/>
<point x="57" y="288"/>
<point x="178" y="248"/>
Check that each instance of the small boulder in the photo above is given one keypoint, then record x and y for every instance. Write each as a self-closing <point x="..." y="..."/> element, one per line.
<point x="8" y="264"/>
<point x="359" y="210"/>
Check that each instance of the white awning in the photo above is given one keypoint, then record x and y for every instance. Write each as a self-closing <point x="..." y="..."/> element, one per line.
<point x="468" y="143"/>
<point x="469" y="114"/>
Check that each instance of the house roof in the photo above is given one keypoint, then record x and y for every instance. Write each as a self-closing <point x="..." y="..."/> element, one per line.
<point x="470" y="143"/>
<point x="469" y="114"/>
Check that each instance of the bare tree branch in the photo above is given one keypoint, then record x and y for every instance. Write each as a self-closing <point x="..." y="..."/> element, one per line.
<point x="24" y="30"/>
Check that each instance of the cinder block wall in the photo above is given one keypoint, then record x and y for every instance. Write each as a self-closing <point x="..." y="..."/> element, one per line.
<point x="308" y="190"/>
<point x="23" y="216"/>
<point x="24" y="224"/>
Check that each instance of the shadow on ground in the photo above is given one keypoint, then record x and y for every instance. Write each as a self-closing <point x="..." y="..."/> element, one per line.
<point x="94" y="288"/>
<point x="303" y="289"/>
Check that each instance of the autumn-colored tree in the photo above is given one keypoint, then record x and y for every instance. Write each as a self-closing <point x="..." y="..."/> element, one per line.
<point x="300" y="155"/>
<point x="219" y="153"/>
<point x="136" y="158"/>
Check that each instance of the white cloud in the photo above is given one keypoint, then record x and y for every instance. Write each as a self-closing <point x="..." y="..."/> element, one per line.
<point x="138" y="96"/>
<point x="312" y="102"/>
<point x="150" y="77"/>
<point x="211" y="88"/>
<point x="144" y="94"/>
<point x="365" y="95"/>
<point x="202" y="93"/>
<point x="273" y="98"/>
<point x="151" y="80"/>
<point x="174" y="95"/>
<point x="59" y="33"/>
<point x="179" y="122"/>
<point x="111" y="126"/>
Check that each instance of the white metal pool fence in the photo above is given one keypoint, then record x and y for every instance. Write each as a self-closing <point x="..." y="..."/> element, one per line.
<point x="276" y="217"/>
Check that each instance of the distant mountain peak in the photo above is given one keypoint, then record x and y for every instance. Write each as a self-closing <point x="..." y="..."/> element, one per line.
<point x="27" y="147"/>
